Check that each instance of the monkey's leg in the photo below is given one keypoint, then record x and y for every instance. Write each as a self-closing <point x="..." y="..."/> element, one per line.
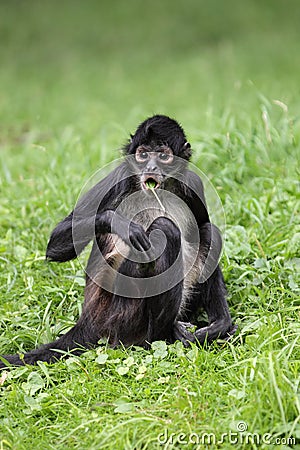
<point x="163" y="308"/>
<point x="147" y="317"/>
<point x="209" y="293"/>
<point x="219" y="320"/>
<point x="220" y="325"/>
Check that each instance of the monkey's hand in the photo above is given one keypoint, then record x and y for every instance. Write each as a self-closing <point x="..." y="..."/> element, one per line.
<point x="131" y="233"/>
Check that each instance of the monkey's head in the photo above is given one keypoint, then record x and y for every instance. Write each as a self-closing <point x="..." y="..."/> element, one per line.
<point x="160" y="150"/>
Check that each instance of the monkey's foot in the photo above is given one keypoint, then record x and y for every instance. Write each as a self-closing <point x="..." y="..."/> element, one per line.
<point x="184" y="332"/>
<point x="187" y="332"/>
<point x="216" y="330"/>
<point x="229" y="333"/>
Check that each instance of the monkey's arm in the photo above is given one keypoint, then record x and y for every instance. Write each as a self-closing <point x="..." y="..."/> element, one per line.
<point x="71" y="236"/>
<point x="95" y="214"/>
<point x="195" y="198"/>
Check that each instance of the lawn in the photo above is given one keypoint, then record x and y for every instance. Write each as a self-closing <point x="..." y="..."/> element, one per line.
<point x="75" y="79"/>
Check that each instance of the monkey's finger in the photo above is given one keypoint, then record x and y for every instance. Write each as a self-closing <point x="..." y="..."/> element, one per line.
<point x="137" y="246"/>
<point x="144" y="241"/>
<point x="138" y="243"/>
<point x="144" y="246"/>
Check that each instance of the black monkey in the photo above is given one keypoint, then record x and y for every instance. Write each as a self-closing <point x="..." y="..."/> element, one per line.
<point x="154" y="260"/>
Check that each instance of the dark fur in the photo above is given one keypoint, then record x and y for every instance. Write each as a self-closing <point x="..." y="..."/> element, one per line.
<point x="141" y="320"/>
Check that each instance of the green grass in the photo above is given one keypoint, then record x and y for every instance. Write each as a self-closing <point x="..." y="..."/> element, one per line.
<point x="76" y="78"/>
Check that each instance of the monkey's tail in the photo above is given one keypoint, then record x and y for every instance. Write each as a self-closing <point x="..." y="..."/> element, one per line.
<point x="45" y="353"/>
<point x="75" y="341"/>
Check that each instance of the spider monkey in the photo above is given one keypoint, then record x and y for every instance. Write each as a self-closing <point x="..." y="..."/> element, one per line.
<point x="154" y="259"/>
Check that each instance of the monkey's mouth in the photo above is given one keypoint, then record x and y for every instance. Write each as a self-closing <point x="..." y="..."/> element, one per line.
<point x="150" y="182"/>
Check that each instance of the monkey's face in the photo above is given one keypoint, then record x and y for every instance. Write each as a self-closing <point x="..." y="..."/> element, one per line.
<point x="154" y="164"/>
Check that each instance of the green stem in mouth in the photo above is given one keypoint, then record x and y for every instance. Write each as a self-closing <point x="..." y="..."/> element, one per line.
<point x="150" y="184"/>
<point x="157" y="198"/>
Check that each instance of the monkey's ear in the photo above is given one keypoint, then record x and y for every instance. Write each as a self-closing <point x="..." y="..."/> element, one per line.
<point x="186" y="150"/>
<point x="131" y="136"/>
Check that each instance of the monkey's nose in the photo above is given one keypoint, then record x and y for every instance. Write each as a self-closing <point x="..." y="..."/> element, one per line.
<point x="151" y="168"/>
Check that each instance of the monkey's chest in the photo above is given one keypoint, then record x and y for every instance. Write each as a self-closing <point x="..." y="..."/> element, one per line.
<point x="143" y="208"/>
<point x="146" y="217"/>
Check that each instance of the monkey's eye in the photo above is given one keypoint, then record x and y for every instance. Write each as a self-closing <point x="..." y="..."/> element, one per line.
<point x="141" y="156"/>
<point x="165" y="157"/>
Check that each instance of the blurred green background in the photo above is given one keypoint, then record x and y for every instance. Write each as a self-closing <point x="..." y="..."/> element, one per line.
<point x="97" y="63"/>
